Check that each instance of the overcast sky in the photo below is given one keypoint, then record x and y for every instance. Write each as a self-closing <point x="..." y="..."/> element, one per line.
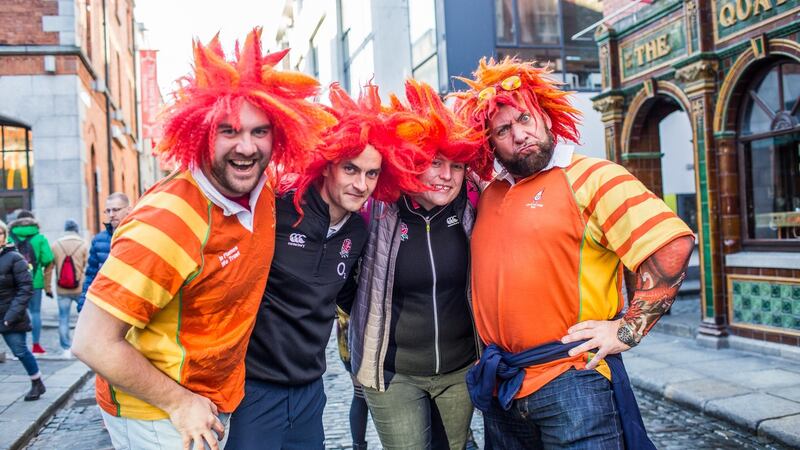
<point x="171" y="25"/>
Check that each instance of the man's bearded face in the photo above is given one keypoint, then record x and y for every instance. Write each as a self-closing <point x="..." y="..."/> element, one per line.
<point x="521" y="140"/>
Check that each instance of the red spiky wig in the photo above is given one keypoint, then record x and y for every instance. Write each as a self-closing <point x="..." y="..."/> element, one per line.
<point x="219" y="87"/>
<point x="520" y="84"/>
<point x="364" y="122"/>
<point x="442" y="133"/>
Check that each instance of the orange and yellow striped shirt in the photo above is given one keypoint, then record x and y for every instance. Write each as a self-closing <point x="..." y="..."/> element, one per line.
<point x="187" y="274"/>
<point x="547" y="253"/>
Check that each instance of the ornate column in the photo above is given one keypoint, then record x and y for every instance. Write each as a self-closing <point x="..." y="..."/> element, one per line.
<point x="611" y="109"/>
<point x="698" y="77"/>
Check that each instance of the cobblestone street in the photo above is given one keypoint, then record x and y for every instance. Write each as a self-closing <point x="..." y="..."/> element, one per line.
<point x="78" y="425"/>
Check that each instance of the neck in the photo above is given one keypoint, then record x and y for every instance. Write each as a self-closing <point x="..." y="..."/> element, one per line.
<point x="337" y="214"/>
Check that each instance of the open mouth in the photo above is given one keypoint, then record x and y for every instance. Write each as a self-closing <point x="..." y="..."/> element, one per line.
<point x="242" y="165"/>
<point x="442" y="188"/>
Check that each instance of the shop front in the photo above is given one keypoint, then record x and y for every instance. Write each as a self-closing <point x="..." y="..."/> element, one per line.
<point x="733" y="67"/>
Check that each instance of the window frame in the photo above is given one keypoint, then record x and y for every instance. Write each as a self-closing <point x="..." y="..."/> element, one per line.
<point x="744" y="140"/>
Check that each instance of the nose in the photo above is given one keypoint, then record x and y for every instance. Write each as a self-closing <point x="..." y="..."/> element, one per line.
<point x="518" y="133"/>
<point x="446" y="173"/>
<point x="360" y="183"/>
<point x="246" y="145"/>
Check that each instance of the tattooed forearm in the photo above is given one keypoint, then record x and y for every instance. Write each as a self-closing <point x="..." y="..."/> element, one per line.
<point x="657" y="281"/>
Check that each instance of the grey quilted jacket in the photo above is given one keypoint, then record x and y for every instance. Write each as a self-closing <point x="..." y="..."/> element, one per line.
<point x="371" y="313"/>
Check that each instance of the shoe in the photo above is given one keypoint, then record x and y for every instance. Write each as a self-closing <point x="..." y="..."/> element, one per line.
<point x="67" y="354"/>
<point x="38" y="350"/>
<point x="360" y="446"/>
<point x="37" y="389"/>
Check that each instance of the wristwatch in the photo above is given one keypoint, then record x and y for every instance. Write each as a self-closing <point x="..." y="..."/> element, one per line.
<point x="626" y="336"/>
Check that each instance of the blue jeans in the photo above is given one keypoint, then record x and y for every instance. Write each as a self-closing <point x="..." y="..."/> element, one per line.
<point x="35" y="308"/>
<point x="280" y="417"/>
<point x="417" y="412"/>
<point x="17" y="342"/>
<point x="64" y="306"/>
<point x="576" y="411"/>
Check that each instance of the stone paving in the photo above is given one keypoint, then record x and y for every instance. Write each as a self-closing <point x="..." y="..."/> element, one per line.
<point x="78" y="425"/>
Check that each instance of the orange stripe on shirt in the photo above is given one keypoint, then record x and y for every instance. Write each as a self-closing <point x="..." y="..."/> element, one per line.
<point x="622" y="209"/>
<point x="641" y="230"/>
<point x="607" y="186"/>
<point x="588" y="173"/>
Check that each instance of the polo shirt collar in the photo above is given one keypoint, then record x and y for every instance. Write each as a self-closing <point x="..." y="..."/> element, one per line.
<point x="228" y="206"/>
<point x="562" y="157"/>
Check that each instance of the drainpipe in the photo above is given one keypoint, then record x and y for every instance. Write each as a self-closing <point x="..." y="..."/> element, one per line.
<point x="107" y="92"/>
<point x="136" y="105"/>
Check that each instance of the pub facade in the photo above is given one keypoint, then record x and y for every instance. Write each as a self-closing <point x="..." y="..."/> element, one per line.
<point x="733" y="66"/>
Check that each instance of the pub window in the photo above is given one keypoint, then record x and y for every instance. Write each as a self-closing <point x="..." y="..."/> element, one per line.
<point x="15" y="167"/>
<point x="770" y="156"/>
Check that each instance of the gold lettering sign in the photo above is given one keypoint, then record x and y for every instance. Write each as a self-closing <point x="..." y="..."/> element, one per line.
<point x="641" y="54"/>
<point x="733" y="17"/>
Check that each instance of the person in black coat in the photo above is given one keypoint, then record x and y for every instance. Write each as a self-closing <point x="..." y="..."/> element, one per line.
<point x="16" y="288"/>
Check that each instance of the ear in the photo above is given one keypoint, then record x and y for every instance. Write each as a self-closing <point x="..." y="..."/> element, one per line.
<point x="327" y="170"/>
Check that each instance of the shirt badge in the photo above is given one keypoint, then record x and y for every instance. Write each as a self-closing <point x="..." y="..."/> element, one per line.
<point x="452" y="221"/>
<point x="536" y="199"/>
<point x="297" y="240"/>
<point x="346" y="245"/>
<point x="403" y="231"/>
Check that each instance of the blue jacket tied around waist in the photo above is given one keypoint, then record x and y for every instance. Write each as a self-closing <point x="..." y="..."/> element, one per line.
<point x="507" y="371"/>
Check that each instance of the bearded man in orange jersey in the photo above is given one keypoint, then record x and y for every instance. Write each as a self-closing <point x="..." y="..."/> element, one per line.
<point x="553" y="234"/>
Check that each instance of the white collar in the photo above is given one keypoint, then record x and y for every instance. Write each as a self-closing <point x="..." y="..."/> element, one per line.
<point x="333" y="229"/>
<point x="562" y="157"/>
<point x="228" y="206"/>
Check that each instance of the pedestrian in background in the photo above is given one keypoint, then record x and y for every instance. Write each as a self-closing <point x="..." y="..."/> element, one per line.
<point x="414" y="283"/>
<point x="70" y="252"/>
<point x="16" y="288"/>
<point x="34" y="247"/>
<point x="117" y="207"/>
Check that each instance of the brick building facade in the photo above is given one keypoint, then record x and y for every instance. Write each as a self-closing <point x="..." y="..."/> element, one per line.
<point x="68" y="101"/>
<point x="734" y="67"/>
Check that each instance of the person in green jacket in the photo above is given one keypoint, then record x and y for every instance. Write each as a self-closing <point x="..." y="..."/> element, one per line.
<point x="24" y="233"/>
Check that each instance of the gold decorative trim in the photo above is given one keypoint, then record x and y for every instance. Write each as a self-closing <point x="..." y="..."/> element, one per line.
<point x="703" y="70"/>
<point x="775" y="46"/>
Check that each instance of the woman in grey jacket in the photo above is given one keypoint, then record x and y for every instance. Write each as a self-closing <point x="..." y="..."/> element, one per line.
<point x="412" y="333"/>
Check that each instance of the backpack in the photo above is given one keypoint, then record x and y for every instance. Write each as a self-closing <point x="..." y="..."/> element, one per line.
<point x="25" y="248"/>
<point x="67" y="274"/>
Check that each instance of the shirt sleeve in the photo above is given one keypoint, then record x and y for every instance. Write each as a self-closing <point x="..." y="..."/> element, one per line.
<point x="146" y="268"/>
<point x="623" y="215"/>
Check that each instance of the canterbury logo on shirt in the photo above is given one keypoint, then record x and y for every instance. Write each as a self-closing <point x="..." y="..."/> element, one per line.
<point x="452" y="221"/>
<point x="297" y="240"/>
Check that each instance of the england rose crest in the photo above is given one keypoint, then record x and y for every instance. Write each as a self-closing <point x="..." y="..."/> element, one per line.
<point x="346" y="244"/>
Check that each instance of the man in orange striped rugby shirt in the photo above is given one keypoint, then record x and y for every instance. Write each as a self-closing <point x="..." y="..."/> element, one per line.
<point x="169" y="315"/>
<point x="553" y="233"/>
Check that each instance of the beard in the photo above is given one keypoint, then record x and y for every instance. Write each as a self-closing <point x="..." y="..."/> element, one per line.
<point x="533" y="162"/>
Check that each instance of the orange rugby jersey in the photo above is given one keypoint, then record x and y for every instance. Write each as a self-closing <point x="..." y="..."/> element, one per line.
<point x="547" y="254"/>
<point x="189" y="279"/>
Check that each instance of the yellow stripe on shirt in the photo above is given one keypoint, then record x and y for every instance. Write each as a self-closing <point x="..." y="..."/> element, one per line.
<point x="179" y="207"/>
<point x="161" y="244"/>
<point x="131" y="279"/>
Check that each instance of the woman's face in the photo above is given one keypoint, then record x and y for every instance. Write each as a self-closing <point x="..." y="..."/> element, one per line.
<point x="444" y="178"/>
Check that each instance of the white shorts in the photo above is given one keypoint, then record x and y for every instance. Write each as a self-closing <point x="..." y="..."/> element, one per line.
<point x="135" y="434"/>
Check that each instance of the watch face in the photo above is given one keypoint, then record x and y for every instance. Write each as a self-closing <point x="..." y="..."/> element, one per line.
<point x="625" y="335"/>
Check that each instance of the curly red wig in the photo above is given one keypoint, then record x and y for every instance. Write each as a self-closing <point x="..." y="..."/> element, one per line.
<point x="520" y="84"/>
<point x="218" y="89"/>
<point x="365" y="122"/>
<point x="443" y="133"/>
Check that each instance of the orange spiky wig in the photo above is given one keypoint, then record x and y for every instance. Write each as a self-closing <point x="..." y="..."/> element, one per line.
<point x="218" y="89"/>
<point x="519" y="84"/>
<point x="364" y="122"/>
<point x="442" y="131"/>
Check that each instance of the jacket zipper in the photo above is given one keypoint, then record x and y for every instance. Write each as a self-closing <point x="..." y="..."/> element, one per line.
<point x="433" y="270"/>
